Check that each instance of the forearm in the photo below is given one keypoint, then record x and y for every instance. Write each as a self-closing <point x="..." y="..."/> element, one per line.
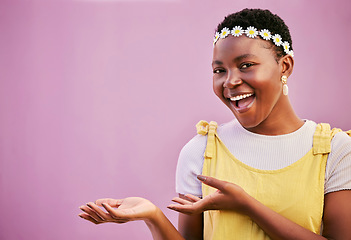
<point x="277" y="226"/>
<point x="191" y="226"/>
<point x="161" y="228"/>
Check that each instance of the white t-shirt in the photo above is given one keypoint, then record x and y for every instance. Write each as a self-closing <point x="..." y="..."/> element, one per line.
<point x="275" y="152"/>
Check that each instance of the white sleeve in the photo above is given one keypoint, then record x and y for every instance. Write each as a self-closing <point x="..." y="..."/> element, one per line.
<point x="338" y="169"/>
<point x="189" y="165"/>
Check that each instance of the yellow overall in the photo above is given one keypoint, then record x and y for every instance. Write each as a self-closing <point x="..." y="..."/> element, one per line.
<point x="296" y="191"/>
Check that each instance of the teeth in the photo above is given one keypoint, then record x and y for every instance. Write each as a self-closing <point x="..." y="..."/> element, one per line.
<point x="239" y="97"/>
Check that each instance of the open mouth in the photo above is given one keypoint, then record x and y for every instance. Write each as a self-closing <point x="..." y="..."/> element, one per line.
<point x="243" y="102"/>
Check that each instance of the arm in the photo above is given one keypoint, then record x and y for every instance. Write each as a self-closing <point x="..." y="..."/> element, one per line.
<point x="189" y="165"/>
<point x="190" y="226"/>
<point x="337" y="215"/>
<point x="131" y="209"/>
<point x="161" y="228"/>
<point x="336" y="220"/>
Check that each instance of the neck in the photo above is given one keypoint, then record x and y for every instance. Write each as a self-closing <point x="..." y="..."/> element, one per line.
<point x="279" y="122"/>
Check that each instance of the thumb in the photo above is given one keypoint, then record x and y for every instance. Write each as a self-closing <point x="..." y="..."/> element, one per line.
<point x="112" y="202"/>
<point x="213" y="182"/>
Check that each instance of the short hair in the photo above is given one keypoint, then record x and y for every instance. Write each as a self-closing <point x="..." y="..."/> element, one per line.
<point x="260" y="19"/>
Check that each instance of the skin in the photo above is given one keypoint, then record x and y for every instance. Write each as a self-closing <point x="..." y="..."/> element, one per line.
<point x="190" y="226"/>
<point x="243" y="65"/>
<point x="337" y="213"/>
<point x="131" y="209"/>
<point x="240" y="65"/>
<point x="336" y="219"/>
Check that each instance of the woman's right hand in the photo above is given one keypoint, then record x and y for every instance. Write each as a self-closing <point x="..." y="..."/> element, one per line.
<point x="131" y="209"/>
<point x="118" y="210"/>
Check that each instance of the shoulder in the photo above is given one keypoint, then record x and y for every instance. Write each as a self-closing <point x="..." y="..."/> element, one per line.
<point x="189" y="165"/>
<point x="197" y="144"/>
<point x="341" y="146"/>
<point x="341" y="139"/>
<point x="339" y="164"/>
<point x="340" y="149"/>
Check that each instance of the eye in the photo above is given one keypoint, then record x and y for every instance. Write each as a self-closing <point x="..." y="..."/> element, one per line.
<point x="246" y="65"/>
<point x="218" y="70"/>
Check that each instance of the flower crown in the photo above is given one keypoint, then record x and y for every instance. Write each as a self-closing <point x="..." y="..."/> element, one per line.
<point x="252" y="32"/>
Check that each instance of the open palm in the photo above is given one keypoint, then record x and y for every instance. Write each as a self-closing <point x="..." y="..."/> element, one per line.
<point x="118" y="210"/>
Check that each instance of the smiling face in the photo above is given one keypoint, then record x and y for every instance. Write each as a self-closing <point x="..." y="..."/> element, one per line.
<point x="246" y="77"/>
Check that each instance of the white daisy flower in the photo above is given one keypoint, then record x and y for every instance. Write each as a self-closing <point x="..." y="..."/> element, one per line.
<point x="251" y="32"/>
<point x="286" y="47"/>
<point x="237" y="31"/>
<point x="277" y="39"/>
<point x="224" y="33"/>
<point x="215" y="38"/>
<point x="291" y="53"/>
<point x="265" y="34"/>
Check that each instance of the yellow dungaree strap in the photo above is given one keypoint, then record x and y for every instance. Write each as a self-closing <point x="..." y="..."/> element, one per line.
<point x="300" y="186"/>
<point x="323" y="136"/>
<point x="204" y="128"/>
<point x="321" y="139"/>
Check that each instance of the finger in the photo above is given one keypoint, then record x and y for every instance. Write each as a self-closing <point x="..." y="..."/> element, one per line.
<point x="192" y="197"/>
<point x="110" y="201"/>
<point x="91" y="212"/>
<point x="182" y="201"/>
<point x="189" y="197"/>
<point x="213" y="182"/>
<point x="88" y="218"/>
<point x="103" y="215"/>
<point x="115" y="213"/>
<point x="186" y="209"/>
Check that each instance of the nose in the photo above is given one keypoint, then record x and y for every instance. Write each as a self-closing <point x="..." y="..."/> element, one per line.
<point x="232" y="80"/>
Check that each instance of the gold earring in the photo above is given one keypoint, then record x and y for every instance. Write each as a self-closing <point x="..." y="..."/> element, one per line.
<point x="285" y="86"/>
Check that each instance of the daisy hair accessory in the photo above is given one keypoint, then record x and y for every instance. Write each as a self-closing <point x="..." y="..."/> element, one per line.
<point x="252" y="32"/>
<point x="285" y="86"/>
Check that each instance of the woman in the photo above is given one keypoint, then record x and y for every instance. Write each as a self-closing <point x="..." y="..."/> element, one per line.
<point x="280" y="176"/>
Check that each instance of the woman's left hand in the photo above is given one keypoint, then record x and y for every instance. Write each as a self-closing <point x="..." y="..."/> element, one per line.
<point x="228" y="196"/>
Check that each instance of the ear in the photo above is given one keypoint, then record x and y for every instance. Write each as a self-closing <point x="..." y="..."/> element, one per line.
<point x="287" y="65"/>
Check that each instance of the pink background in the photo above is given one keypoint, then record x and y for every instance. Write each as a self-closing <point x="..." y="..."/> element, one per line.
<point x="98" y="97"/>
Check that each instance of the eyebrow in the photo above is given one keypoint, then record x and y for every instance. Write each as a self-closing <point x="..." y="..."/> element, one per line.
<point x="237" y="59"/>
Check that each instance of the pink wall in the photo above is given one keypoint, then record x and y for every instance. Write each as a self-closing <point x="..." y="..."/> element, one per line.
<point x="98" y="97"/>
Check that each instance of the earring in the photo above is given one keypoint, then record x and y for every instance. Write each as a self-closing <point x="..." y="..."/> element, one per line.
<point x="285" y="86"/>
